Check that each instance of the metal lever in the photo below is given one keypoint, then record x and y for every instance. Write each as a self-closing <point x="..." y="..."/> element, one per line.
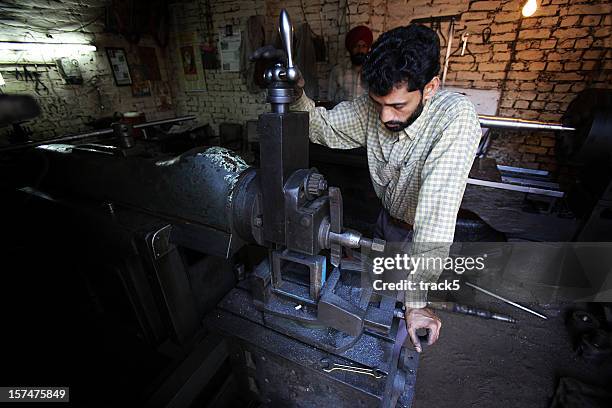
<point x="286" y="32"/>
<point x="335" y="229"/>
<point x="376" y="373"/>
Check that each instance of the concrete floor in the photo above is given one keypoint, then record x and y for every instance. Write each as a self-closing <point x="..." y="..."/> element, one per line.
<point x="486" y="363"/>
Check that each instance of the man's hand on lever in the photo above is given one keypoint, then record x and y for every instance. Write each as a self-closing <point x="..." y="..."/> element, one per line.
<point x="422" y="319"/>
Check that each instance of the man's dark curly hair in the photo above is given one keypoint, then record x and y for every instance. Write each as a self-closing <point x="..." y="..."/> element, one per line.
<point x="405" y="54"/>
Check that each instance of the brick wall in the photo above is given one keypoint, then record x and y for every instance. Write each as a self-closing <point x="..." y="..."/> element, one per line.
<point x="68" y="108"/>
<point x="538" y="63"/>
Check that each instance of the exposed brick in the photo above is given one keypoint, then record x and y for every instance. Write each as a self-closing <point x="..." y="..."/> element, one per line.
<point x="583" y="43"/>
<point x="494" y="75"/>
<point x="552" y="106"/>
<point x="483" y="66"/>
<point x="484" y="5"/>
<point x="562" y="87"/>
<point x="589" y="65"/>
<point x="602" y="32"/>
<point x="507" y="17"/>
<point x="532" y="140"/>
<point x="569" y="21"/>
<point x="548" y="21"/>
<point x="593" y="54"/>
<point x="526" y="76"/>
<point x="548" y="44"/>
<point x="500" y="47"/>
<point x="521" y="104"/>
<point x="503" y="37"/>
<point x="528" y="157"/>
<point x="553" y="117"/>
<point x="572" y="66"/>
<point x="568" y="76"/>
<point x="474" y="15"/>
<point x="533" y="149"/>
<point x="503" y="28"/>
<point x="501" y="56"/>
<point x="469" y="76"/>
<point x="551" y="10"/>
<point x="566" y="44"/>
<point x="603" y="8"/>
<point x="530" y="55"/>
<point x="539" y="33"/>
<point x="528" y="86"/>
<point x="537" y="66"/>
<point x="564" y="33"/>
<point x="590" y="20"/>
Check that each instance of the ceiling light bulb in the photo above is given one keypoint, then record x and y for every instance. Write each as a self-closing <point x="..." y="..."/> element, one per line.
<point x="529" y="8"/>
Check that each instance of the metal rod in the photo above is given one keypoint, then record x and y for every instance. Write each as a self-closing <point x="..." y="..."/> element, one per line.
<point x="26" y="145"/>
<point x="164" y="121"/>
<point x="511" y="123"/>
<point x="95" y="133"/>
<point x="526" y="309"/>
<point x="513" y="187"/>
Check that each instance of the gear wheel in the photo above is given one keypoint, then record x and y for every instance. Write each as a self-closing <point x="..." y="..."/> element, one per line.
<point x="315" y="185"/>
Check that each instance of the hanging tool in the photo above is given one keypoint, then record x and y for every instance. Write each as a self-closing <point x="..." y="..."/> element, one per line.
<point x="464" y="40"/>
<point x="463" y="49"/>
<point x="486" y="35"/>
<point x="506" y="300"/>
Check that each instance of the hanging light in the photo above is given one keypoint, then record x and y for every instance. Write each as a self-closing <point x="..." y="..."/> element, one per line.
<point x="529" y="8"/>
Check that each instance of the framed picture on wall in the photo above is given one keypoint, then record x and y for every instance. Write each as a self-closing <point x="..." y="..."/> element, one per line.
<point x="119" y="66"/>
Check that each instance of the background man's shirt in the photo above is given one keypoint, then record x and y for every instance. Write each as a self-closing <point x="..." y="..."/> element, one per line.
<point x="419" y="173"/>
<point x="345" y="83"/>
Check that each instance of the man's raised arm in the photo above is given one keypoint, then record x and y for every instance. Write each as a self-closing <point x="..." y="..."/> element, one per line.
<point x="343" y="127"/>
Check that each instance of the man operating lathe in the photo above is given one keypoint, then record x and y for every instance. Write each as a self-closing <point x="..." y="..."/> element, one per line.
<point x="421" y="142"/>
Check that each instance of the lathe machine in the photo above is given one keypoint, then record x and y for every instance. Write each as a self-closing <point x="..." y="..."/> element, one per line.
<point x="200" y="281"/>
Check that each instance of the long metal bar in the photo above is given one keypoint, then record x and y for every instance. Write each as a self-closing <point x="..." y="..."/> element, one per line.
<point x="511" y="123"/>
<point x="503" y="299"/>
<point x="513" y="187"/>
<point x="95" y="133"/>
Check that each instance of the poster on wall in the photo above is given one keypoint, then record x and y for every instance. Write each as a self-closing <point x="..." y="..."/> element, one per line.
<point x="189" y="66"/>
<point x="141" y="87"/>
<point x="188" y="43"/>
<point x="163" y="98"/>
<point x="229" y="48"/>
<point x="119" y="66"/>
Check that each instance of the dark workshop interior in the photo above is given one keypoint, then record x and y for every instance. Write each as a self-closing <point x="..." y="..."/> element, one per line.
<point x="172" y="236"/>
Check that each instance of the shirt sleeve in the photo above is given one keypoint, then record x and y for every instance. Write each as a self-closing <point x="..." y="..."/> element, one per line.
<point x="443" y="181"/>
<point x="340" y="128"/>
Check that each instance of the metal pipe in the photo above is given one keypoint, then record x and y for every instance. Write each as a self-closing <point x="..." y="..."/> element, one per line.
<point x="526" y="309"/>
<point x="513" y="187"/>
<point x="95" y="133"/>
<point x="511" y="123"/>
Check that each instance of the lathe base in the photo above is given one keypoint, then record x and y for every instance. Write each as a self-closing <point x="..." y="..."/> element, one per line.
<point x="278" y="370"/>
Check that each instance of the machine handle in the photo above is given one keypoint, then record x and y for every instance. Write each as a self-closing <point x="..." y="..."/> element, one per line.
<point x="286" y="32"/>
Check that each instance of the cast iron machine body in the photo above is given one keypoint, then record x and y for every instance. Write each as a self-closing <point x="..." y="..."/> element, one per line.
<point x="166" y="232"/>
<point x="305" y="336"/>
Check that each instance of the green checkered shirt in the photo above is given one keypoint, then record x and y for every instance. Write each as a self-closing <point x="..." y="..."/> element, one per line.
<point x="419" y="173"/>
